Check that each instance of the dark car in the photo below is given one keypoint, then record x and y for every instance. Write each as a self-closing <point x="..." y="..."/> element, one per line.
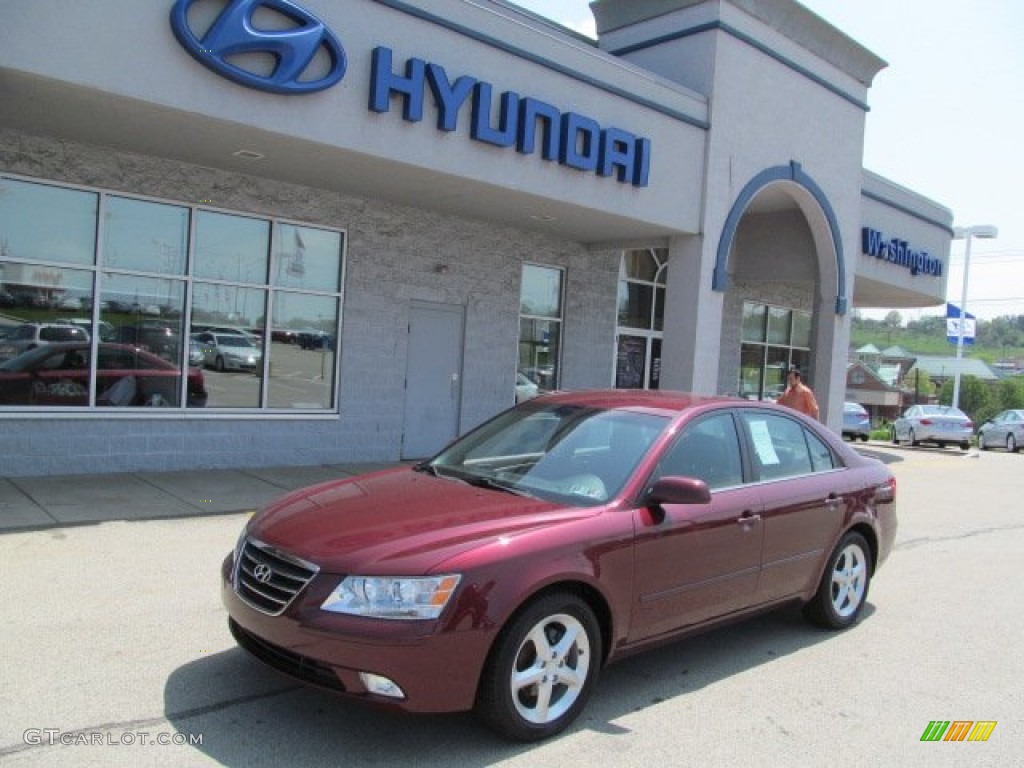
<point x="58" y="374"/>
<point x="856" y="422"/>
<point x="161" y="340"/>
<point x="563" y="534"/>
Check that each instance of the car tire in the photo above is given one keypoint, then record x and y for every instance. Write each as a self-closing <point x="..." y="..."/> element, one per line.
<point x="913" y="438"/>
<point x="981" y="441"/>
<point x="864" y="438"/>
<point x="965" y="446"/>
<point x="1011" y="443"/>
<point x="218" y="364"/>
<point x="844" y="586"/>
<point x="529" y="692"/>
<point x="895" y="440"/>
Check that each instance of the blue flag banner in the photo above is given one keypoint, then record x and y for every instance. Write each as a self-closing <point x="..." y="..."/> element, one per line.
<point x="953" y="325"/>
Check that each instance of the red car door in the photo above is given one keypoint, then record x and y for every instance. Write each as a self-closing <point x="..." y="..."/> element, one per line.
<point x="804" y="497"/>
<point x="698" y="561"/>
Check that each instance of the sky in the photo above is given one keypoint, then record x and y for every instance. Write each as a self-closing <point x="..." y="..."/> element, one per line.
<point x="946" y="120"/>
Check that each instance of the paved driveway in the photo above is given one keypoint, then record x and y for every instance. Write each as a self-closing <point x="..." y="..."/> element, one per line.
<point x="113" y="639"/>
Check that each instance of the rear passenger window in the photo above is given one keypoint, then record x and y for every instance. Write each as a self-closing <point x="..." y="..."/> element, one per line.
<point x="783" y="447"/>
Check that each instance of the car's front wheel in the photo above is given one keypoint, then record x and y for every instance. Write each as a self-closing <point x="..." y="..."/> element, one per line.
<point x="844" y="585"/>
<point x="542" y="669"/>
<point x="1011" y="443"/>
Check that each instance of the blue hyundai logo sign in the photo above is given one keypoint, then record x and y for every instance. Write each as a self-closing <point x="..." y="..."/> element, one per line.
<point x="233" y="34"/>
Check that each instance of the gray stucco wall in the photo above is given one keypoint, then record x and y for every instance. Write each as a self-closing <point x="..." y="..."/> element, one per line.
<point x="392" y="253"/>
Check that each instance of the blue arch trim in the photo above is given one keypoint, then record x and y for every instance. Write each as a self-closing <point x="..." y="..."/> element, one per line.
<point x="792" y="172"/>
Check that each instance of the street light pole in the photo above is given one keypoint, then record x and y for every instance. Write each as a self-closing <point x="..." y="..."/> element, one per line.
<point x="966" y="233"/>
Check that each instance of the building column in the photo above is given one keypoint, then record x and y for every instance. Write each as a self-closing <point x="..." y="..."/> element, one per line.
<point x="693" y="319"/>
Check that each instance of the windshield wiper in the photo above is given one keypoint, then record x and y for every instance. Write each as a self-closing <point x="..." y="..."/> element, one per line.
<point x="483" y="481"/>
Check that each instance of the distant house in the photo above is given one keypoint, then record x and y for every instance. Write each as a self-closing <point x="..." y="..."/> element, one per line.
<point x="940" y="368"/>
<point x="883" y="399"/>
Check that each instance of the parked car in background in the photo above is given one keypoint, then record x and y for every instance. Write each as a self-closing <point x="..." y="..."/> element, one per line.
<point x="158" y="338"/>
<point x="230" y="351"/>
<point x="856" y="422"/>
<point x="939" y="424"/>
<point x="525" y="388"/>
<point x="58" y="374"/>
<point x="106" y="330"/>
<point x="28" y="336"/>
<point x="1004" y="430"/>
<point x="563" y="534"/>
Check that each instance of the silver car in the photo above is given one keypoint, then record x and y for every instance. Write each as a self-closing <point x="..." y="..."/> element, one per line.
<point x="230" y="351"/>
<point x="941" y="424"/>
<point x="1004" y="430"/>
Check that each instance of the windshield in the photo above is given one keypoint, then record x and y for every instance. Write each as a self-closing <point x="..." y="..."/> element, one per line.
<point x="565" y="453"/>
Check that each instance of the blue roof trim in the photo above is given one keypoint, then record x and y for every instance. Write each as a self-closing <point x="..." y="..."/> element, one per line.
<point x="494" y="42"/>
<point x="792" y="172"/>
<point x="745" y="38"/>
<point x="908" y="211"/>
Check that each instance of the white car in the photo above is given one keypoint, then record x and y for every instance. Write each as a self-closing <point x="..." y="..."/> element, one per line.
<point x="230" y="352"/>
<point x="940" y="424"/>
<point x="1004" y="430"/>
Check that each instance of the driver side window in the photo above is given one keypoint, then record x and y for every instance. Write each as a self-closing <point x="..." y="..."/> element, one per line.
<point x="708" y="450"/>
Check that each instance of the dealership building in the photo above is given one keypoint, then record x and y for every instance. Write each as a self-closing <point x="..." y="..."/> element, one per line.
<point x="364" y="227"/>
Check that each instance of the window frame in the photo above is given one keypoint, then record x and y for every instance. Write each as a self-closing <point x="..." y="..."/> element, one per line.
<point x="100" y="272"/>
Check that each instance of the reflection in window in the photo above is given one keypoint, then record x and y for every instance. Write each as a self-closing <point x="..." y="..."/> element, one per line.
<point x="302" y="359"/>
<point x="39" y="222"/>
<point x="774" y="339"/>
<point x="143" y="236"/>
<point x="131" y="296"/>
<point x="540" y="325"/>
<point x="231" y="248"/>
<point x="308" y="259"/>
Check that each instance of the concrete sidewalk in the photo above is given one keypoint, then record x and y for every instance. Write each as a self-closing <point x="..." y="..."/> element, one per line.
<point x="61" y="500"/>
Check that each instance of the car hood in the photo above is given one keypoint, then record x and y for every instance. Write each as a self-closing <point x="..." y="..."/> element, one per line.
<point x="398" y="521"/>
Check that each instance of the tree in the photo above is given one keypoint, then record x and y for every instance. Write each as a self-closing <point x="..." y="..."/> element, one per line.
<point x="975" y="398"/>
<point x="1010" y="394"/>
<point x="893" y="319"/>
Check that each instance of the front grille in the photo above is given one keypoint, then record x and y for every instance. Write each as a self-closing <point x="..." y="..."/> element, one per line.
<point x="294" y="664"/>
<point x="268" y="579"/>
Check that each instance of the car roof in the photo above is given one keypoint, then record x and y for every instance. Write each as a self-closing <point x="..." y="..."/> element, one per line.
<point x="663" y="400"/>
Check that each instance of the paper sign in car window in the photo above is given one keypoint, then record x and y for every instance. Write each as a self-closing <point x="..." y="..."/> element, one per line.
<point x="763" y="443"/>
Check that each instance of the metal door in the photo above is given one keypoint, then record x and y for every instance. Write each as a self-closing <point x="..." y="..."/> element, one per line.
<point x="433" y="378"/>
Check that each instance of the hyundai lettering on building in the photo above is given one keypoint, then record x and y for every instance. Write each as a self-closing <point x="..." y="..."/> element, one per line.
<point x="873" y="243"/>
<point x="568" y="138"/>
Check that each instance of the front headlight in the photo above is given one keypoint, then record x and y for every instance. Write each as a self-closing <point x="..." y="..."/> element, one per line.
<point x="383" y="597"/>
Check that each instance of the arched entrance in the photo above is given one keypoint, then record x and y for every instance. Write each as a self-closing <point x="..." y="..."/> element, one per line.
<point x="780" y="266"/>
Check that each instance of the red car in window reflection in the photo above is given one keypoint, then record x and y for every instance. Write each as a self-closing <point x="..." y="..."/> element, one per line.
<point x="563" y="534"/>
<point x="58" y="374"/>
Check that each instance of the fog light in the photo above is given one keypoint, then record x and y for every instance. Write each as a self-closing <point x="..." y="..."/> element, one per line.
<point x="382" y="686"/>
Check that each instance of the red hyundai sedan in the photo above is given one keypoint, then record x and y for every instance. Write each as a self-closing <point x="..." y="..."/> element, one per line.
<point x="563" y="534"/>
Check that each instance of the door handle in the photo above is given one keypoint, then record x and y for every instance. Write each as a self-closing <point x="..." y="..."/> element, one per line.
<point x="833" y="500"/>
<point x="748" y="518"/>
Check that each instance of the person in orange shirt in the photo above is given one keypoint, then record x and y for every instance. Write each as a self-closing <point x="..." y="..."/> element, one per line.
<point x="798" y="395"/>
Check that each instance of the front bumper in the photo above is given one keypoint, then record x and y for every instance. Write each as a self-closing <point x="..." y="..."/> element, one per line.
<point x="437" y="670"/>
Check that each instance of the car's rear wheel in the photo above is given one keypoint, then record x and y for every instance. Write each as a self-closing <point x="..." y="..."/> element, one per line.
<point x="1011" y="443"/>
<point x="844" y="585"/>
<point x="913" y="438"/>
<point x="895" y="440"/>
<point x="542" y="669"/>
<point x="981" y="441"/>
<point x="864" y="438"/>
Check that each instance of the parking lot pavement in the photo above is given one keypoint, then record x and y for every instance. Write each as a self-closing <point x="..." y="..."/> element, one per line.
<point x="54" y="501"/>
<point x="114" y="640"/>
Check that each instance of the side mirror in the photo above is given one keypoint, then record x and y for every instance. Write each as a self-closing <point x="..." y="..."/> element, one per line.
<point x="678" y="490"/>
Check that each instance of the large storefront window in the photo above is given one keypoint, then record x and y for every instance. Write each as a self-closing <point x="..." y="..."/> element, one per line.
<point x="540" y="330"/>
<point x="641" y="318"/>
<point x="106" y="300"/>
<point x="774" y="338"/>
